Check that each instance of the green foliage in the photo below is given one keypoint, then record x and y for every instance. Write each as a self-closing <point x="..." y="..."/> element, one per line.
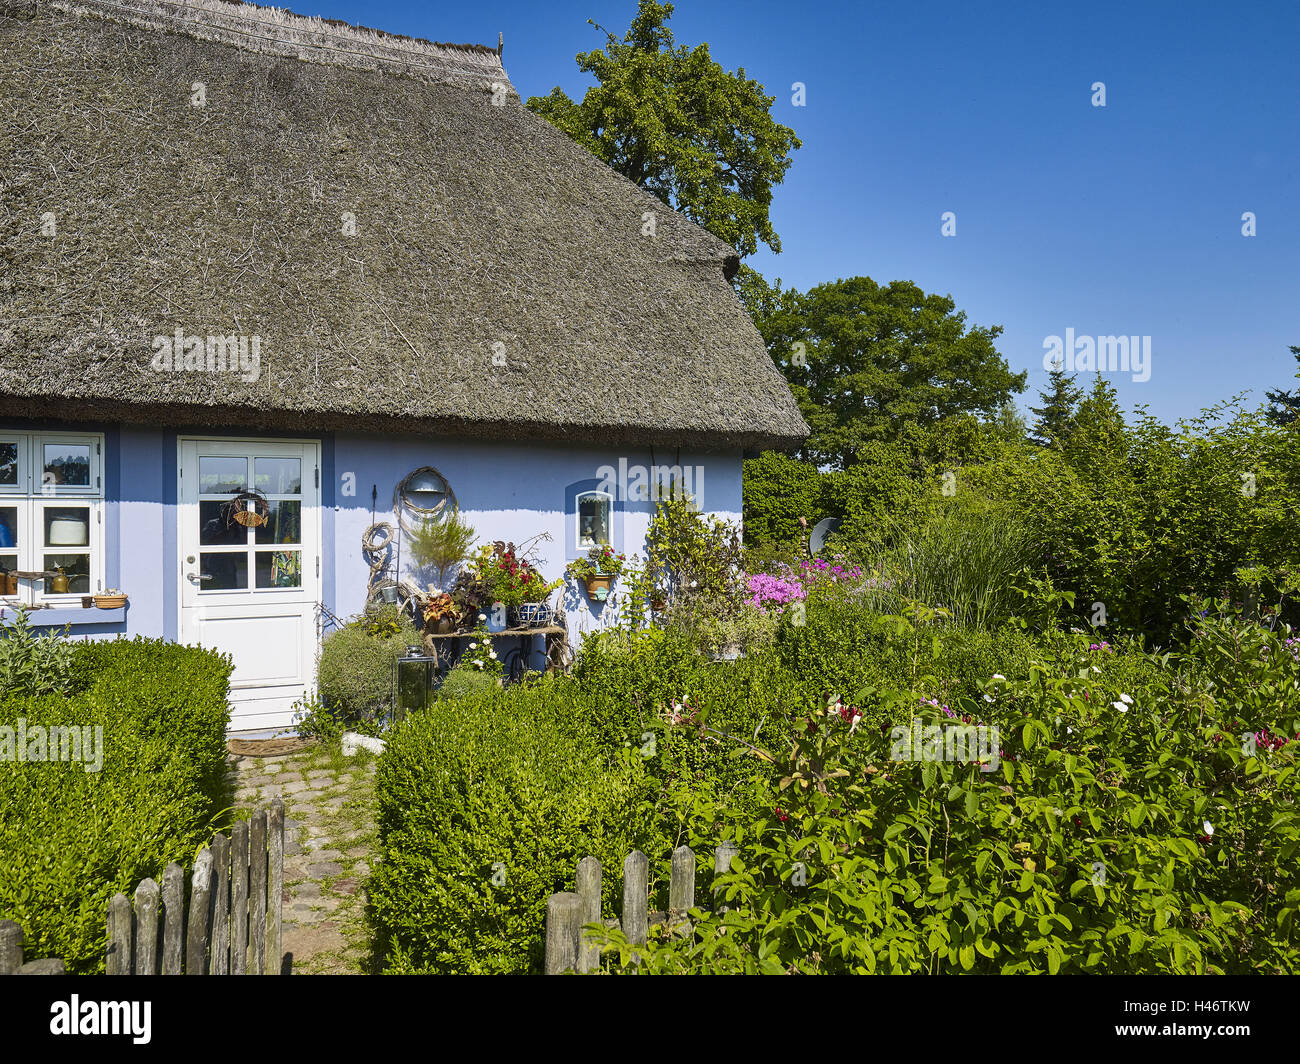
<point x="865" y="361"/>
<point x="71" y="838"/>
<point x="1124" y="830"/>
<point x="355" y="673"/>
<point x="33" y="663"/>
<point x="466" y="681"/>
<point x="778" y="491"/>
<point x="485" y="807"/>
<point x="442" y="543"/>
<point x="672" y="120"/>
<point x="1055" y="417"/>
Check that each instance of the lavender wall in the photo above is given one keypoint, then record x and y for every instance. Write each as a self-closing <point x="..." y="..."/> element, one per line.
<point x="507" y="491"/>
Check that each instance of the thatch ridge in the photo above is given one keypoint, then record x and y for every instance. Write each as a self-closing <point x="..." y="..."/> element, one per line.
<point x="481" y="231"/>
<point x="279" y="31"/>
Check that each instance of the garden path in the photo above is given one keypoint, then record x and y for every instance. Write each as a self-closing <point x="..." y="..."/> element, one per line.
<point x="329" y="840"/>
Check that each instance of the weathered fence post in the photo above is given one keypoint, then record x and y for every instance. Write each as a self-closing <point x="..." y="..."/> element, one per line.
<point x="146" y="928"/>
<point x="275" y="889"/>
<point x="564" y="915"/>
<point x="173" y="895"/>
<point x="118" y="959"/>
<point x="636" y="897"/>
<point x="681" y="886"/>
<point x="196" y="949"/>
<point x="220" y="905"/>
<point x="588" y="883"/>
<point x="239" y="897"/>
<point x="257" y="892"/>
<point x="11" y="947"/>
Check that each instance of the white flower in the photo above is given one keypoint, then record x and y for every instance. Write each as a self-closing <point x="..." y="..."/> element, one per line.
<point x="988" y="698"/>
<point x="1208" y="828"/>
<point x="1126" y="700"/>
<point x="493" y="655"/>
<point x="472" y="646"/>
<point x="1120" y="706"/>
<point x="482" y="616"/>
<point x="1095" y="669"/>
<point x="998" y="676"/>
<point x="694" y="584"/>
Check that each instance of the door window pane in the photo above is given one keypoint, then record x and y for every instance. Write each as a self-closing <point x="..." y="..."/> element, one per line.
<point x="279" y="568"/>
<point x="73" y="568"/>
<point x="8" y="582"/>
<point x="220" y="571"/>
<point x="67" y="464"/>
<point x="278" y="476"/>
<point x="283" y="523"/>
<point x="67" y="526"/>
<point x="9" y="527"/>
<point x="217" y="528"/>
<point x="220" y="475"/>
<point x="8" y="464"/>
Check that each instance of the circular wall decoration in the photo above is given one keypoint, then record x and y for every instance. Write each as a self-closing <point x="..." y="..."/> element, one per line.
<point x="425" y="494"/>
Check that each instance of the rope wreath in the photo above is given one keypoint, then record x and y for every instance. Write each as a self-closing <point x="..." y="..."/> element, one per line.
<point x="374" y="544"/>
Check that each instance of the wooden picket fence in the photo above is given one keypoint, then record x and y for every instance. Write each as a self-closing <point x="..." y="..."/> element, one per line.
<point x="235" y="909"/>
<point x="11" y="954"/>
<point x="568" y="912"/>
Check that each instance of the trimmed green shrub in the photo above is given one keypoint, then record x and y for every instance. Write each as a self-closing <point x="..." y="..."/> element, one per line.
<point x="355" y="673"/>
<point x="33" y="663"/>
<point x="485" y="806"/>
<point x="71" y="838"/>
<point x="463" y="682"/>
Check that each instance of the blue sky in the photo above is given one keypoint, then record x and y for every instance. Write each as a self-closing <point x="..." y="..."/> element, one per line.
<point x="1122" y="220"/>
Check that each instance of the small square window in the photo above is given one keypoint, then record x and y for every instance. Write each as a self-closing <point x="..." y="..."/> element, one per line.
<point x="593" y="520"/>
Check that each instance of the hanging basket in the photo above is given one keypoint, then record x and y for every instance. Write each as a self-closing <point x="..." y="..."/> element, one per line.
<point x="240" y="512"/>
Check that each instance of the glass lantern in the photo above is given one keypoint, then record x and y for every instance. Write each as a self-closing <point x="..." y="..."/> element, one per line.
<point x="413" y="676"/>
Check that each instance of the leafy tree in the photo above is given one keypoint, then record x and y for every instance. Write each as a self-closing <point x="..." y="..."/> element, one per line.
<point x="866" y="361"/>
<point x="1055" y="417"/>
<point x="1285" y="408"/>
<point x="700" y="138"/>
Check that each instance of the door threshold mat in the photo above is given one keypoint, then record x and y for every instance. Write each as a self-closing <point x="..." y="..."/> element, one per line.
<point x="267" y="747"/>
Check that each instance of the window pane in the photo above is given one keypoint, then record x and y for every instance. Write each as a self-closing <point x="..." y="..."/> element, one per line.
<point x="278" y="476"/>
<point x="8" y="464"/>
<point x="9" y="526"/>
<point x="75" y="569"/>
<point x="223" y="572"/>
<point x="593" y="521"/>
<point x="8" y="582"/>
<point x="67" y="526"/>
<point x="279" y="568"/>
<point x="216" y="528"/>
<point x="67" y="463"/>
<point x="219" y="475"/>
<point x="283" y="523"/>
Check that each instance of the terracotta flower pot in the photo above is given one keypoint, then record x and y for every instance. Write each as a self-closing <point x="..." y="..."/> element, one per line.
<point x="595" y="584"/>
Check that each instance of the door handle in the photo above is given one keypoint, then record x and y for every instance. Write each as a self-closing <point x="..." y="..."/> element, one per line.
<point x="196" y="578"/>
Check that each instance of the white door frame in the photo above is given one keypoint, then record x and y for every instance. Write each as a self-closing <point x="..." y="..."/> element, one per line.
<point x="286" y="615"/>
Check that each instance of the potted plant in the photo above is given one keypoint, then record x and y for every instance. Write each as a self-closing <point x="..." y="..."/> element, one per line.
<point x="598" y="569"/>
<point x="441" y="614"/>
<point x="510" y="578"/>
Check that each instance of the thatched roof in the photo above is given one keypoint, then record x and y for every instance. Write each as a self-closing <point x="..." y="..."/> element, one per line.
<point x="480" y="230"/>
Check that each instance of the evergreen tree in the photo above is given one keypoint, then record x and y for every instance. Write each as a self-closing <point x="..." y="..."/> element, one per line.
<point x="1285" y="406"/>
<point x="1054" y="419"/>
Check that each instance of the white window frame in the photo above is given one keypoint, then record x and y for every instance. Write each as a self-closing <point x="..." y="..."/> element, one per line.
<point x="608" y="499"/>
<point x="30" y="498"/>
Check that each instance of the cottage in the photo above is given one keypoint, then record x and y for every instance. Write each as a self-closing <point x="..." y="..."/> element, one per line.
<point x="256" y="259"/>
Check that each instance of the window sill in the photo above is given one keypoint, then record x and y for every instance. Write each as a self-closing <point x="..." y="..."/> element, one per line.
<point x="58" y="616"/>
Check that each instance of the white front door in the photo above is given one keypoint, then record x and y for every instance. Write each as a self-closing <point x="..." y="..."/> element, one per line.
<point x="250" y="568"/>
